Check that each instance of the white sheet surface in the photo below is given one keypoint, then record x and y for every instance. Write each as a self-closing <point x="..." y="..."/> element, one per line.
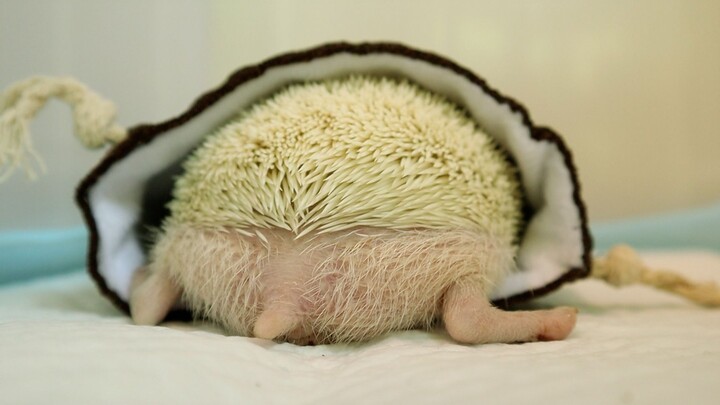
<point x="60" y="342"/>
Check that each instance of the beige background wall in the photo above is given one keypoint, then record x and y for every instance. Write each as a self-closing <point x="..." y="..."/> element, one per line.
<point x="633" y="86"/>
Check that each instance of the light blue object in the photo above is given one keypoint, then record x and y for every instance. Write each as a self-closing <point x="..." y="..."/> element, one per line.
<point x="30" y="254"/>
<point x="694" y="229"/>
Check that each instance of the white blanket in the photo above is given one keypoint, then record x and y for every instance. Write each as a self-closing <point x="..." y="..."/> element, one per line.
<point x="60" y="342"/>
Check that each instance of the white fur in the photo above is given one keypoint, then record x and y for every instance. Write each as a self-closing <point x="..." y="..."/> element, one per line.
<point x="339" y="287"/>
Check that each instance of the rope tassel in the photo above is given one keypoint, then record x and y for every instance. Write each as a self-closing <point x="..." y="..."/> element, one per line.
<point x="93" y="116"/>
<point x="622" y="266"/>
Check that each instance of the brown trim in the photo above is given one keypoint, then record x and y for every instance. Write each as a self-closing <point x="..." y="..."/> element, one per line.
<point x="143" y="134"/>
<point x="547" y="134"/>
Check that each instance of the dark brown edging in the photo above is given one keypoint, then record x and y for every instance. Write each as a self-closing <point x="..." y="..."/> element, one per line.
<point x="145" y="133"/>
<point x="544" y="133"/>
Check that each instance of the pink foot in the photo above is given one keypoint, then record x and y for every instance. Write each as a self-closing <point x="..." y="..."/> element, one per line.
<point x="469" y="318"/>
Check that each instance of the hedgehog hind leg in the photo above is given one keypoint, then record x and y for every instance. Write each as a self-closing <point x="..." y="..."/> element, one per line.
<point x="152" y="295"/>
<point x="470" y="318"/>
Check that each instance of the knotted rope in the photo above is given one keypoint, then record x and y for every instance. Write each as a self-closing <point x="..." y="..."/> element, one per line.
<point x="622" y="266"/>
<point x="94" y="119"/>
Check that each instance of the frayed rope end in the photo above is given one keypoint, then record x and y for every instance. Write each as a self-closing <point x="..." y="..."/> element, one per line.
<point x="94" y="119"/>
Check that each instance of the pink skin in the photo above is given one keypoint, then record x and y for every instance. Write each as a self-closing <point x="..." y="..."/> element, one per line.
<point x="151" y="297"/>
<point x="280" y="307"/>
<point x="469" y="318"/>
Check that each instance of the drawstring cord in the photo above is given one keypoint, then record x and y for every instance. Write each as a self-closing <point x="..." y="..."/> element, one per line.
<point x="93" y="116"/>
<point x="622" y="266"/>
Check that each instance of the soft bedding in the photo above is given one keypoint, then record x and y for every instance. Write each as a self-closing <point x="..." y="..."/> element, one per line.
<point x="61" y="342"/>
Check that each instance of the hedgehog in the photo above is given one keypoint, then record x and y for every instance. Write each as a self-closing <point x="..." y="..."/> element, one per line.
<point x="339" y="210"/>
